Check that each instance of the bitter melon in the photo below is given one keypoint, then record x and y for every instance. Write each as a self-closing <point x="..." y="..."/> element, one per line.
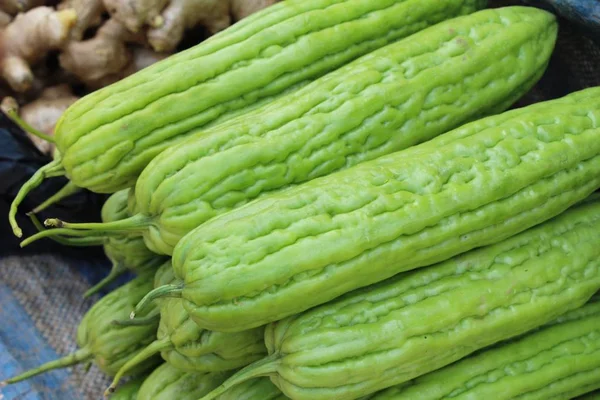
<point x="187" y="347"/>
<point x="168" y="383"/>
<point x="470" y="187"/>
<point x="393" y="98"/>
<point x="106" y="138"/>
<point x="558" y="362"/>
<point x="418" y="322"/>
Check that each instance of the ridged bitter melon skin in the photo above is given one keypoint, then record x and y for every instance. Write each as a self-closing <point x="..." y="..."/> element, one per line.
<point x="418" y="322"/>
<point x="390" y="99"/>
<point x="471" y="187"/>
<point x="112" y="345"/>
<point x="169" y="383"/>
<point x="107" y="137"/>
<point x="561" y="361"/>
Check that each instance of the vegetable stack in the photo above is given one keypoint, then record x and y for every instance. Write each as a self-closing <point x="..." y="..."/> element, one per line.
<point x="106" y="138"/>
<point x="395" y="97"/>
<point x="330" y="200"/>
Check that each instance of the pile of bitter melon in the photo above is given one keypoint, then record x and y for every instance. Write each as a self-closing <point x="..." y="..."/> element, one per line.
<point x="329" y="200"/>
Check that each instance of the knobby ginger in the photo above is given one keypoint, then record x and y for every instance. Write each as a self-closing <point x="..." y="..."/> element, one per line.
<point x="185" y="14"/>
<point x="134" y="14"/>
<point x="89" y="14"/>
<point x="27" y="40"/>
<point x="107" y="53"/>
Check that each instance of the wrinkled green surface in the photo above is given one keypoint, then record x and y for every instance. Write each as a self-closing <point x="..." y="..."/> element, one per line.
<point x="108" y="137"/>
<point x="113" y="345"/>
<point x="254" y="389"/>
<point x="474" y="186"/>
<point x="125" y="252"/>
<point x="196" y="349"/>
<point x="418" y="322"/>
<point x="558" y="362"/>
<point x="128" y="391"/>
<point x="390" y="99"/>
<point x="168" y="383"/>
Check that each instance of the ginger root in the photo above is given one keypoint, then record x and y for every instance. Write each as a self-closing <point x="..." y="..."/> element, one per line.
<point x="89" y="14"/>
<point x="4" y="19"/>
<point x="142" y="58"/>
<point x="13" y="7"/>
<point x="43" y="113"/>
<point x="102" y="56"/>
<point x="242" y="8"/>
<point x="185" y="14"/>
<point x="134" y="14"/>
<point x="28" y="38"/>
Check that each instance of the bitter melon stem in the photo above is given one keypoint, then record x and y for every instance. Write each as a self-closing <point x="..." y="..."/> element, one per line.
<point x="76" y="242"/>
<point x="11" y="109"/>
<point x="81" y="355"/>
<point x="141" y="321"/>
<point x="173" y="290"/>
<point x="264" y="367"/>
<point x="117" y="270"/>
<point x="132" y="225"/>
<point x="150" y="350"/>
<point x="67" y="190"/>
<point x="51" y="169"/>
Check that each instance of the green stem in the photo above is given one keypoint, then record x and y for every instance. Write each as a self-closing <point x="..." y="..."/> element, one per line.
<point x="77" y="357"/>
<point x="67" y="190"/>
<point x="14" y="115"/>
<point x="52" y="233"/>
<point x="266" y="366"/>
<point x="141" y="321"/>
<point x="153" y="348"/>
<point x="76" y="242"/>
<point x="117" y="270"/>
<point x="135" y="223"/>
<point x="51" y="169"/>
<point x="161" y="291"/>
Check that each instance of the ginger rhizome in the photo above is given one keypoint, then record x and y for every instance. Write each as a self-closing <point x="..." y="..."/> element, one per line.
<point x="28" y="38"/>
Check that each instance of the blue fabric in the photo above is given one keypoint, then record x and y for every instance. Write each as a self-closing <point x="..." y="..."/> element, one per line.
<point x="24" y="344"/>
<point x="16" y="355"/>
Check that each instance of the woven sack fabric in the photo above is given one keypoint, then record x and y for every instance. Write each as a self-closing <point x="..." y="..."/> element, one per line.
<point x="41" y="295"/>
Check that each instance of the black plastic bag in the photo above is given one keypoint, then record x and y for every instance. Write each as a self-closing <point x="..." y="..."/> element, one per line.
<point x="19" y="160"/>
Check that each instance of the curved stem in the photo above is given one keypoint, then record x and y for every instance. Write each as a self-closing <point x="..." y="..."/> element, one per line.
<point x="80" y="355"/>
<point x="76" y="242"/>
<point x="161" y="291"/>
<point x="147" y="320"/>
<point x="266" y="366"/>
<point x="67" y="190"/>
<point x="117" y="270"/>
<point x="21" y="123"/>
<point x="51" y="169"/>
<point x="51" y="233"/>
<point x="150" y="350"/>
